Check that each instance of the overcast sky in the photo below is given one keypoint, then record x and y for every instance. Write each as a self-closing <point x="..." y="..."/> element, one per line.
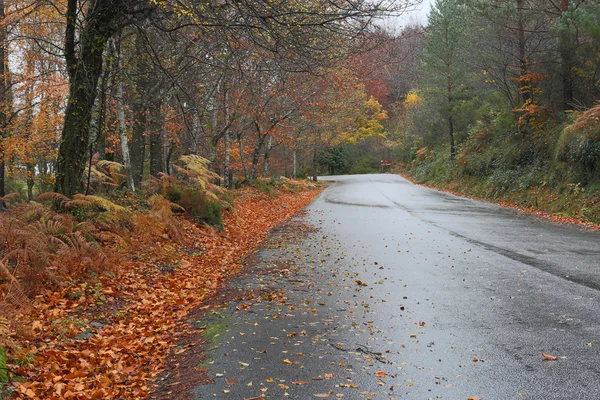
<point x="417" y="14"/>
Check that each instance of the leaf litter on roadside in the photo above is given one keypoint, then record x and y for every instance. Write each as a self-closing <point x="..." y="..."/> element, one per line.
<point x="144" y="308"/>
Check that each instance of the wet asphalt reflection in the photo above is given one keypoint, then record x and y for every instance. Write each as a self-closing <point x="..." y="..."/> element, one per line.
<point x="407" y="293"/>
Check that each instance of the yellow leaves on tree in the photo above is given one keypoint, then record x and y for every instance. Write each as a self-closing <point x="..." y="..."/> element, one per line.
<point x="413" y="100"/>
<point x="347" y="114"/>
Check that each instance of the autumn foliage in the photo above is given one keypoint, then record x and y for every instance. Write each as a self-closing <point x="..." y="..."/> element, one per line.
<point x="113" y="292"/>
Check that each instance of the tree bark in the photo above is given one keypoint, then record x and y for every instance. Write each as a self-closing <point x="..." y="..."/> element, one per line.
<point x="103" y="19"/>
<point x="99" y="107"/>
<point x="294" y="168"/>
<point x="314" y="162"/>
<point x="450" y="97"/>
<point x="256" y="155"/>
<point x="30" y="181"/>
<point x="566" y="50"/>
<point x="123" y="137"/>
<point x="243" y="156"/>
<point x="451" y="133"/>
<point x="3" y="103"/>
<point x="522" y="44"/>
<point x="226" y="162"/>
<point x="84" y="71"/>
<point x="268" y="148"/>
<point x="212" y="153"/>
<point x="195" y="133"/>
<point x="156" y="147"/>
<point x="139" y="106"/>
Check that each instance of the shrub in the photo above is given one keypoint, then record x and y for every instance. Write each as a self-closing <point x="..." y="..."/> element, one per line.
<point x="264" y="185"/>
<point x="365" y="165"/>
<point x="39" y="246"/>
<point x="195" y="201"/>
<point x="193" y="191"/>
<point x="579" y="144"/>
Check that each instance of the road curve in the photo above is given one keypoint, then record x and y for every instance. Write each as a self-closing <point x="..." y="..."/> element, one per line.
<point x="409" y="293"/>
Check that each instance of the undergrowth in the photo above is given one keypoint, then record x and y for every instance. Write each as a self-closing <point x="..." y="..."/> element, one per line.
<point x="115" y="274"/>
<point x="59" y="243"/>
<point x="556" y="170"/>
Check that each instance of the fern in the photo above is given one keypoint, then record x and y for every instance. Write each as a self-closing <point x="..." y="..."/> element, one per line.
<point x="106" y="173"/>
<point x="163" y="206"/>
<point x="56" y="198"/>
<point x="97" y="201"/>
<point x="40" y="244"/>
<point x="3" y="367"/>
<point x="4" y="271"/>
<point x="33" y="212"/>
<point x="588" y="120"/>
<point x="196" y="167"/>
<point x="11" y="198"/>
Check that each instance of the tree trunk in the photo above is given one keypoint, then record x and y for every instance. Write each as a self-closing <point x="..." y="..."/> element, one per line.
<point x="167" y="151"/>
<point x="3" y="103"/>
<point x="522" y="43"/>
<point x="226" y="170"/>
<point x="295" y="166"/>
<point x="195" y="134"/>
<point x="267" y="156"/>
<point x="567" y="57"/>
<point x="123" y="137"/>
<point x="243" y="157"/>
<point x="84" y="71"/>
<point x="99" y="106"/>
<point x="451" y="133"/>
<point x="212" y="154"/>
<point x="256" y="156"/>
<point x="156" y="147"/>
<point x="30" y="181"/>
<point x="450" y="97"/>
<point x="214" y="141"/>
<point x="139" y="106"/>
<point x="257" y="149"/>
<point x="314" y="163"/>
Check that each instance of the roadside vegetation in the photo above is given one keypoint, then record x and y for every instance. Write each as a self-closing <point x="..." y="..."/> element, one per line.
<point x="95" y="289"/>
<point x="498" y="100"/>
<point x="555" y="171"/>
<point x="147" y="146"/>
<point x="507" y="107"/>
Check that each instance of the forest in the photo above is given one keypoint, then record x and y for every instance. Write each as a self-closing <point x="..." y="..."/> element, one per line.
<point x="254" y="88"/>
<point x="502" y="103"/>
<point x="492" y="93"/>
<point x="118" y="117"/>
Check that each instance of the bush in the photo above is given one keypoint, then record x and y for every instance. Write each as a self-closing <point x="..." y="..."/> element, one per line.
<point x="40" y="246"/>
<point x="193" y="190"/>
<point x="579" y="145"/>
<point x="262" y="185"/>
<point x="196" y="202"/>
<point x="365" y="165"/>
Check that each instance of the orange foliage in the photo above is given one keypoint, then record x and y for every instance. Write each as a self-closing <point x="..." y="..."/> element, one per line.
<point x="143" y="307"/>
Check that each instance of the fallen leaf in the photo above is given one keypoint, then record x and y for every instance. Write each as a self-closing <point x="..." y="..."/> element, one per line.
<point x="380" y="374"/>
<point x="549" y="357"/>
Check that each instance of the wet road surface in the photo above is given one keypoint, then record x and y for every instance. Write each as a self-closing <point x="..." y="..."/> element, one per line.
<point x="400" y="292"/>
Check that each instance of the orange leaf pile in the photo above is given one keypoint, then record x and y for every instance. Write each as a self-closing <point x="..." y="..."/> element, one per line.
<point x="114" y="348"/>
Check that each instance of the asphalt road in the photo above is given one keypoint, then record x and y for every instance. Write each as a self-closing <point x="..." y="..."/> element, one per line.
<point x="408" y="293"/>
